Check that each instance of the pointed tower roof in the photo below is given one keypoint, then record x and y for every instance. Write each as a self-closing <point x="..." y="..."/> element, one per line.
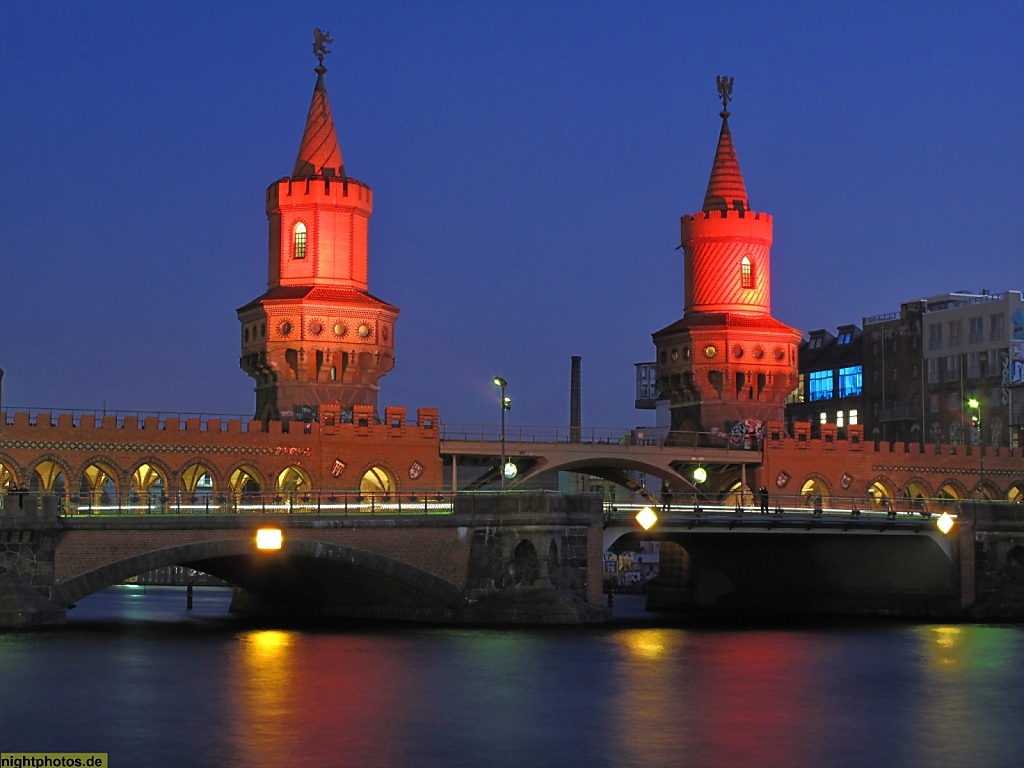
<point x="726" y="189"/>
<point x="319" y="153"/>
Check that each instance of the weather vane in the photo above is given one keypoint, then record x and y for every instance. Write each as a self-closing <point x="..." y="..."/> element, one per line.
<point x="724" y="90"/>
<point x="320" y="39"/>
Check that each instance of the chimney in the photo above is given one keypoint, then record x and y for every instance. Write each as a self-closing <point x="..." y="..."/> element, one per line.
<point x="575" y="420"/>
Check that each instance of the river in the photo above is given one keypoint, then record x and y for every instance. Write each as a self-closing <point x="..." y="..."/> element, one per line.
<point x="136" y="675"/>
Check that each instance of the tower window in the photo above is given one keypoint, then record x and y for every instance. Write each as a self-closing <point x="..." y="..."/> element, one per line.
<point x="746" y="273"/>
<point x="299" y="251"/>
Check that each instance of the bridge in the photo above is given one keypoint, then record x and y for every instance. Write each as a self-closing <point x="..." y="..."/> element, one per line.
<point x="795" y="559"/>
<point x="607" y="453"/>
<point x="490" y="558"/>
<point x="487" y="558"/>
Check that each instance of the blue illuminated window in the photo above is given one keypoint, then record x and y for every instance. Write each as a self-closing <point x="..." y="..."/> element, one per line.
<point x="851" y="381"/>
<point x="821" y="385"/>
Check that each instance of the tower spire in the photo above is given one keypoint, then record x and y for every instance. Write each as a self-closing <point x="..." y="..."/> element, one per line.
<point x="726" y="189"/>
<point x="319" y="153"/>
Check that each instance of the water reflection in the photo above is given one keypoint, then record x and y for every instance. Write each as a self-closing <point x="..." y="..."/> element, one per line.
<point x="205" y="692"/>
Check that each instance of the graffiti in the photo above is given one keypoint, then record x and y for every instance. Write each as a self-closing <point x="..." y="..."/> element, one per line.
<point x="745" y="432"/>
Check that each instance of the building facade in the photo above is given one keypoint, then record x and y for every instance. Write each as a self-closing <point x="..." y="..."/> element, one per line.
<point x="830" y="389"/>
<point x="926" y="363"/>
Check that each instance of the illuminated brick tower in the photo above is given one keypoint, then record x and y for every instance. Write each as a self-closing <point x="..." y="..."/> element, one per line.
<point x="727" y="360"/>
<point x="317" y="334"/>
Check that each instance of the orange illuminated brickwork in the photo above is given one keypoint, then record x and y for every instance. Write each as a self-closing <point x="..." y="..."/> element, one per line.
<point x="873" y="475"/>
<point x="317" y="334"/>
<point x="166" y="465"/>
<point x="727" y="360"/>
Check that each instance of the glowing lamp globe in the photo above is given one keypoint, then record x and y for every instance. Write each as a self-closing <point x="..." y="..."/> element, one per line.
<point x="945" y="522"/>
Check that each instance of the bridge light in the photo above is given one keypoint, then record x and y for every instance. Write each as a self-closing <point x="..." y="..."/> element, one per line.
<point x="700" y="475"/>
<point x="268" y="538"/>
<point x="945" y="522"/>
<point x="646" y="518"/>
<point x="510" y="470"/>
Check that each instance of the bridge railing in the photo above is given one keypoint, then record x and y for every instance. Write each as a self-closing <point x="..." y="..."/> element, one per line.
<point x="856" y="507"/>
<point x="654" y="436"/>
<point x="312" y="502"/>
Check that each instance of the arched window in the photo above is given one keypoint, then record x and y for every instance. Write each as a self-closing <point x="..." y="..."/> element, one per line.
<point x="299" y="251"/>
<point x="746" y="273"/>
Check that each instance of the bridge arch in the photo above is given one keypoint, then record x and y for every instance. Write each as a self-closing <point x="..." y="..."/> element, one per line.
<point x="100" y="481"/>
<point x="49" y="473"/>
<point x="199" y="478"/>
<point x="148" y="484"/>
<point x="237" y="561"/>
<point x="881" y="492"/>
<point x="245" y="478"/>
<point x="1015" y="494"/>
<point x="916" y="494"/>
<point x="378" y="478"/>
<point x="293" y="479"/>
<point x="813" y="487"/>
<point x="9" y="472"/>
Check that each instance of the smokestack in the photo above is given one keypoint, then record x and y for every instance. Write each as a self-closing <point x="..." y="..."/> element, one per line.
<point x="575" y="420"/>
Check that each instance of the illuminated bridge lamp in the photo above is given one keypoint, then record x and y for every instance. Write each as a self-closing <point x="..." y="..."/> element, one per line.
<point x="646" y="518"/>
<point x="945" y="522"/>
<point x="511" y="470"/>
<point x="700" y="475"/>
<point x="268" y="538"/>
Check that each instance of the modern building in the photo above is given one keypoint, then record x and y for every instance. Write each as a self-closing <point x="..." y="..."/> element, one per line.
<point x="924" y="364"/>
<point x="727" y="361"/>
<point x="830" y="388"/>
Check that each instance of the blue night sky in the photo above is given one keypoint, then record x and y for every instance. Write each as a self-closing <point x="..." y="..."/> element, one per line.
<point x="529" y="160"/>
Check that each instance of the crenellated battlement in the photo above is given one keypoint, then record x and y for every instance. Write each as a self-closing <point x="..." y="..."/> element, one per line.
<point x="320" y="191"/>
<point x="45" y="425"/>
<point x="715" y="225"/>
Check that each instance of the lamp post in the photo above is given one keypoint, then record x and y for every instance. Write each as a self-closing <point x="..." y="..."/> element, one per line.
<point x="506" y="404"/>
<point x="975" y="405"/>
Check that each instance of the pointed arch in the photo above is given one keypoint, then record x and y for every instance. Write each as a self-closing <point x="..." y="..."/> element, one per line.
<point x="48" y="473"/>
<point x="9" y="473"/>
<point x="293" y="479"/>
<point x="814" y="487"/>
<point x="378" y="479"/>
<point x="98" y="486"/>
<point x="880" y="493"/>
<point x="148" y="487"/>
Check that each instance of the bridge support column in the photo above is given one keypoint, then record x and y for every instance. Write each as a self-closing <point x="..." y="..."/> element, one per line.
<point x="28" y="536"/>
<point x="536" y="558"/>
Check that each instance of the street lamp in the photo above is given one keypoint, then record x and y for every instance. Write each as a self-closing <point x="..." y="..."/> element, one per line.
<point x="975" y="405"/>
<point x="506" y="405"/>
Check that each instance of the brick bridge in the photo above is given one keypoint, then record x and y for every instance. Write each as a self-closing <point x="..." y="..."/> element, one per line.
<point x="513" y="558"/>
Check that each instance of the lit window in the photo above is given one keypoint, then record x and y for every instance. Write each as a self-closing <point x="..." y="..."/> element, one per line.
<point x="823" y="417"/>
<point x="853" y="416"/>
<point x="839" y="419"/>
<point x="844" y="337"/>
<point x="299" y="250"/>
<point x="821" y="385"/>
<point x="746" y="273"/>
<point x="851" y="381"/>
